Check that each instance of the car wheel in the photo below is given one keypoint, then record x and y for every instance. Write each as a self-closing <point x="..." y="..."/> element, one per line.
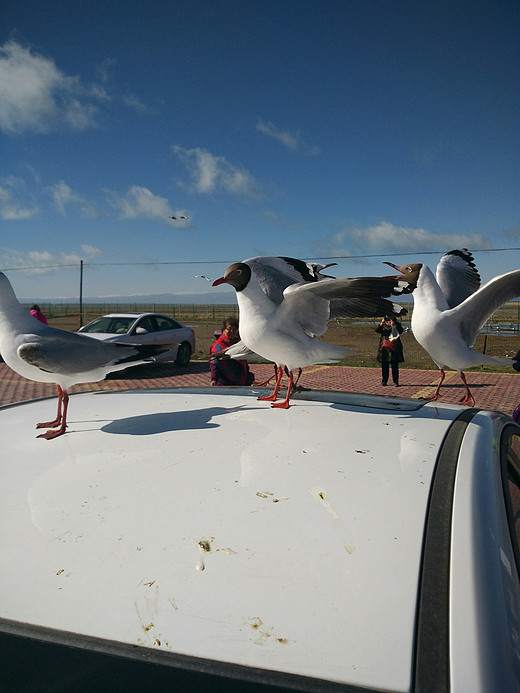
<point x="183" y="354"/>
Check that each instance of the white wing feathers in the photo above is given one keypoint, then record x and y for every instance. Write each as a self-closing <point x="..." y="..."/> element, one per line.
<point x="475" y="311"/>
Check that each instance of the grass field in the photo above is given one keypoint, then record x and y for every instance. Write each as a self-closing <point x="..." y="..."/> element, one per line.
<point x="357" y="335"/>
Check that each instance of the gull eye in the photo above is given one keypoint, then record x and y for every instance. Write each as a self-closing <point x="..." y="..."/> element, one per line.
<point x="239" y="271"/>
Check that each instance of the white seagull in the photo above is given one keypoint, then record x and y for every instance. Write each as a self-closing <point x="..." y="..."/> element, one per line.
<point x="49" y="355"/>
<point x="286" y="271"/>
<point x="284" y="308"/>
<point x="450" y="310"/>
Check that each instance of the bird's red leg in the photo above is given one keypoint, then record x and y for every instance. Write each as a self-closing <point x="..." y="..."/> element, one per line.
<point x="57" y="420"/>
<point x="285" y="403"/>
<point x="55" y="432"/>
<point x="299" y="369"/>
<point x="272" y="398"/>
<point x="266" y="382"/>
<point x="297" y="387"/>
<point x="436" y="393"/>
<point x="468" y="397"/>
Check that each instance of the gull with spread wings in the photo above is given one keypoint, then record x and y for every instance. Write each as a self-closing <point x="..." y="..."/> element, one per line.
<point x="284" y="308"/>
<point x="451" y="308"/>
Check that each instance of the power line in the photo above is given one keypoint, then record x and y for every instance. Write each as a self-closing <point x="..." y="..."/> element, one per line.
<point x="222" y="262"/>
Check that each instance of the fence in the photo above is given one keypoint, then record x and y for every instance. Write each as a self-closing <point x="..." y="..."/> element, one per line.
<point x="355" y="334"/>
<point x="508" y="316"/>
<point x="181" y="311"/>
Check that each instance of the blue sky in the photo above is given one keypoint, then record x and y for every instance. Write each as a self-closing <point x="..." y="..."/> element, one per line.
<point x="310" y="129"/>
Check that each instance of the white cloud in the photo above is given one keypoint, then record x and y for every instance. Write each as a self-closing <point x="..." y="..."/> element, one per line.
<point x="15" y="202"/>
<point x="141" y="202"/>
<point x="42" y="262"/>
<point x="135" y="103"/>
<point x="291" y="140"/>
<point x="63" y="196"/>
<point x="210" y="173"/>
<point x="386" y="237"/>
<point x="89" y="251"/>
<point x="37" y="97"/>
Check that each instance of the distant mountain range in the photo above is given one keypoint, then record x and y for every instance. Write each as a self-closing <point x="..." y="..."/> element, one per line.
<point x="198" y="298"/>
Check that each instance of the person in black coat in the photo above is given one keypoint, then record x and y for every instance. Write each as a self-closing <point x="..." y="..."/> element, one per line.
<point x="390" y="351"/>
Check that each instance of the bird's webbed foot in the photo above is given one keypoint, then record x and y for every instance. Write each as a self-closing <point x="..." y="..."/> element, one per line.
<point x="49" y="424"/>
<point x="469" y="400"/>
<point x="268" y="398"/>
<point x="53" y="433"/>
<point x="280" y="405"/>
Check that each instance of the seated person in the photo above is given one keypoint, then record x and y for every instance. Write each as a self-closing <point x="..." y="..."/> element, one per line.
<point x="232" y="371"/>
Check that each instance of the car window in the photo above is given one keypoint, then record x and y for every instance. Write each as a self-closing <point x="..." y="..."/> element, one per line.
<point x="99" y="325"/>
<point x="149" y="323"/>
<point x="109" y="325"/>
<point x="164" y="323"/>
<point x="120" y="325"/>
<point x="511" y="477"/>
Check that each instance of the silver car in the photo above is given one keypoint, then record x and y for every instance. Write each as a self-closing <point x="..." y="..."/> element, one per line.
<point x="350" y="542"/>
<point x="145" y="328"/>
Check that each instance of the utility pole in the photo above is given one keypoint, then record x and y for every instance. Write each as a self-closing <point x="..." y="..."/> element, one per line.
<point x="81" y="293"/>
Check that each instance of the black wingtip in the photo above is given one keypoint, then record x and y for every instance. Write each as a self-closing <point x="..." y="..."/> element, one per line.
<point x="145" y="352"/>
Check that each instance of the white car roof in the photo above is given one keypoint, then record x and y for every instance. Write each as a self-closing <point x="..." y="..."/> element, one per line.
<point x="206" y="524"/>
<point x="132" y="315"/>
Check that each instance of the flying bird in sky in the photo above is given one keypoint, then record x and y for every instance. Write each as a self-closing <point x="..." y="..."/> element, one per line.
<point x="450" y="310"/>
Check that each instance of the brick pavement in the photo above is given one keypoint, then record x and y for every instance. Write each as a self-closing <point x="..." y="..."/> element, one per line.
<point x="499" y="391"/>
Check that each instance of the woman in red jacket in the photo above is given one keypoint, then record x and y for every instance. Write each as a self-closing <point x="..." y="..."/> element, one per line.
<point x="230" y="371"/>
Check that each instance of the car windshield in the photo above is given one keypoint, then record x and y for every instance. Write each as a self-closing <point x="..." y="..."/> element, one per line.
<point x="110" y="325"/>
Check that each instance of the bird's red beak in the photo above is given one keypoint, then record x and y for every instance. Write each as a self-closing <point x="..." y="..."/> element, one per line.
<point x="222" y="280"/>
<point x="391" y="264"/>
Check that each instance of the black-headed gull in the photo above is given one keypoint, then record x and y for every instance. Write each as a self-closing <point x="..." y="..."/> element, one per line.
<point x="451" y="309"/>
<point x="284" y="308"/>
<point x="49" y="355"/>
<point x="288" y="271"/>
